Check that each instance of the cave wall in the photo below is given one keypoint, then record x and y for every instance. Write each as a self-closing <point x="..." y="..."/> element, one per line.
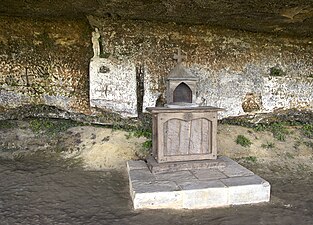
<point x="240" y="71"/>
<point x="44" y="62"/>
<point x="49" y="62"/>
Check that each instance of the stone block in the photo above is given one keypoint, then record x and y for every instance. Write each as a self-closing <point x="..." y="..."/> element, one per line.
<point x="247" y="190"/>
<point x="136" y="165"/>
<point x="209" y="174"/>
<point x="176" y="176"/>
<point x="244" y="180"/>
<point x="227" y="160"/>
<point x="141" y="175"/>
<point x="235" y="170"/>
<point x="154" y="186"/>
<point x="156" y="195"/>
<point x="205" y="198"/>
<point x="248" y="194"/>
<point x="158" y="200"/>
<point x="200" y="184"/>
<point x="115" y="89"/>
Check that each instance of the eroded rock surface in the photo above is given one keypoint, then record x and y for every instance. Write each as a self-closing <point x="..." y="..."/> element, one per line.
<point x="275" y="16"/>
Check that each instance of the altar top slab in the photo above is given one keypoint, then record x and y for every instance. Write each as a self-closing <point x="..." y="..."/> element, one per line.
<point x="184" y="109"/>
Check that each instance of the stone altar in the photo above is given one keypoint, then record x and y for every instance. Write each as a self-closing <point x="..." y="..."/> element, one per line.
<point x="184" y="170"/>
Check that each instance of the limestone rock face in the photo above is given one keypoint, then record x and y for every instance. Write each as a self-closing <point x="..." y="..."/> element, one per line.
<point x="44" y="62"/>
<point x="239" y="71"/>
<point x="46" y="54"/>
<point x="276" y="16"/>
<point x="252" y="102"/>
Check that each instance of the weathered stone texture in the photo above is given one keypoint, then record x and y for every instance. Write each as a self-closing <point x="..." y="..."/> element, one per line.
<point x="230" y="65"/>
<point x="113" y="90"/>
<point x="44" y="62"/>
<point x="194" y="189"/>
<point x="270" y="16"/>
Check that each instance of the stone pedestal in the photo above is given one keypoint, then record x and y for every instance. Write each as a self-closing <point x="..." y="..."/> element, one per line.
<point x="194" y="188"/>
<point x="184" y="134"/>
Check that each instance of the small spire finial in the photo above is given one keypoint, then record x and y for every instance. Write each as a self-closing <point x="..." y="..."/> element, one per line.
<point x="179" y="56"/>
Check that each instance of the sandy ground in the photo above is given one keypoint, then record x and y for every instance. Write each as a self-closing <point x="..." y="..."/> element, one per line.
<point x="264" y="145"/>
<point x="39" y="187"/>
<point x="101" y="148"/>
<point x="97" y="147"/>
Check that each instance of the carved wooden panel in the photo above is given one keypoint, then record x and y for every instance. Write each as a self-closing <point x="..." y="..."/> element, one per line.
<point x="184" y="134"/>
<point x="187" y="137"/>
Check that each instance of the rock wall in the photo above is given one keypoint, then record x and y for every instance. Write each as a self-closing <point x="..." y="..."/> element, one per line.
<point x="239" y="71"/>
<point x="44" y="62"/>
<point x="49" y="62"/>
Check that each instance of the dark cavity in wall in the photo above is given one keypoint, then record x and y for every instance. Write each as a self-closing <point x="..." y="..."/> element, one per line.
<point x="277" y="72"/>
<point x="140" y="73"/>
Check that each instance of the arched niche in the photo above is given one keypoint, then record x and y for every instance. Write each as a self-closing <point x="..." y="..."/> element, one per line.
<point x="182" y="93"/>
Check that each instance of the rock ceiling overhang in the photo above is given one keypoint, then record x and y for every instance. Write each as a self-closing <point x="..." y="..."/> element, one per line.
<point x="292" y="17"/>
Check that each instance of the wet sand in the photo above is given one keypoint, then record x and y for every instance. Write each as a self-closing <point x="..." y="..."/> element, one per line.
<point x="51" y="190"/>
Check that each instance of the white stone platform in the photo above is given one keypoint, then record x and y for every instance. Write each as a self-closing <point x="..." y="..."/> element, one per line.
<point x="196" y="189"/>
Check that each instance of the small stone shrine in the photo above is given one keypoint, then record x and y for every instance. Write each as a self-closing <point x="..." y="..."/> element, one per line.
<point x="184" y="170"/>
<point x="183" y="131"/>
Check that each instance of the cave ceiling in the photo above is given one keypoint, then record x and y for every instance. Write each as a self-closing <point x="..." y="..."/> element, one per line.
<point x="288" y="17"/>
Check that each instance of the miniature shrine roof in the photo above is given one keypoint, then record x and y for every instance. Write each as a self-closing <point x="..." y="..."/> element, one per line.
<point x="179" y="72"/>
